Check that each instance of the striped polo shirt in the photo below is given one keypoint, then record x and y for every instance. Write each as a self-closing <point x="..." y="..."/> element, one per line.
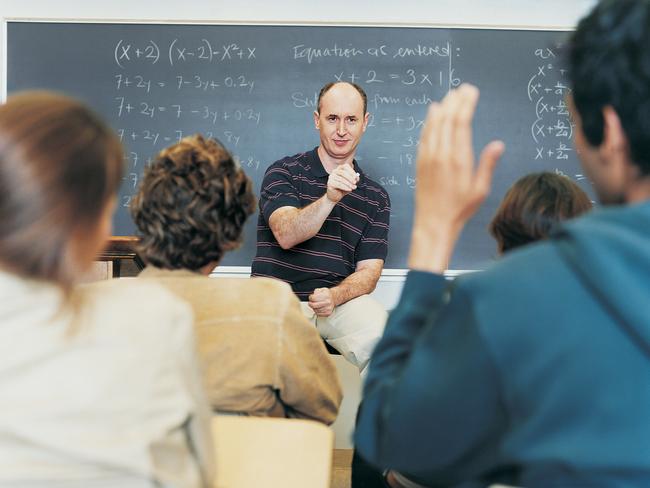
<point x="356" y="229"/>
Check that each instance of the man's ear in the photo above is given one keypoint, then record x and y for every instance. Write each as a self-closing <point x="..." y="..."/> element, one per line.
<point x="615" y="149"/>
<point x="366" y="118"/>
<point x="316" y="120"/>
<point x="615" y="144"/>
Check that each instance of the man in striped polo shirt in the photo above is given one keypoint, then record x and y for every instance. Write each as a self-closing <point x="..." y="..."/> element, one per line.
<point x="323" y="227"/>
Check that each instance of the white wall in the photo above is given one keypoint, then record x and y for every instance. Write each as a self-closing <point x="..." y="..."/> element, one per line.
<point x="479" y="12"/>
<point x="499" y="13"/>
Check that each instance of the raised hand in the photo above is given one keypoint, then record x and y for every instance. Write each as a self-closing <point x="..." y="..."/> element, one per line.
<point x="450" y="189"/>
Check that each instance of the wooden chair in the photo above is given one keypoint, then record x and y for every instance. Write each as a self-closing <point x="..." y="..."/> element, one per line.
<point x="271" y="452"/>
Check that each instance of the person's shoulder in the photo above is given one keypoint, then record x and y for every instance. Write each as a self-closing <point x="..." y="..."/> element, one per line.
<point x="125" y="301"/>
<point x="128" y="289"/>
<point x="269" y="285"/>
<point x="270" y="292"/>
<point x="294" y="163"/>
<point x="271" y="297"/>
<point x="523" y="278"/>
<point x="514" y="264"/>
<point x="222" y="297"/>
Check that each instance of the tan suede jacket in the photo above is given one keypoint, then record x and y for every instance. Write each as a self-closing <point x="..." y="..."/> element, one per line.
<point x="260" y="355"/>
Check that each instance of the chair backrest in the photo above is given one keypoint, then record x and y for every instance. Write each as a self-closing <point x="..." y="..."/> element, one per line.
<point x="271" y="452"/>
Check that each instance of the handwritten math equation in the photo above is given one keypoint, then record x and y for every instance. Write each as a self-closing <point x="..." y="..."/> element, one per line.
<point x="547" y="91"/>
<point x="127" y="53"/>
<point x="552" y="127"/>
<point x="213" y="85"/>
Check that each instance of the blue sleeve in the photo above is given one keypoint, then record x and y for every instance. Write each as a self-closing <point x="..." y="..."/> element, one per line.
<point x="278" y="190"/>
<point x="431" y="397"/>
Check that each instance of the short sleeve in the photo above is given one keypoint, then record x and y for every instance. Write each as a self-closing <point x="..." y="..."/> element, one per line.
<point x="278" y="190"/>
<point x="374" y="242"/>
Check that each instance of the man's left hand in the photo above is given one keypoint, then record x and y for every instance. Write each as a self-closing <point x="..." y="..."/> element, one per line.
<point x="322" y="302"/>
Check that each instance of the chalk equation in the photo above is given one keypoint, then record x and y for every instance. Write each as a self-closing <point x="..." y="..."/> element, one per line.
<point x="177" y="52"/>
<point x="181" y="82"/>
<point x="552" y="127"/>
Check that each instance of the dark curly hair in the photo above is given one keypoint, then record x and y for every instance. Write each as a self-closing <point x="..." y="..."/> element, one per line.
<point x="609" y="64"/>
<point x="191" y="205"/>
<point x="533" y="206"/>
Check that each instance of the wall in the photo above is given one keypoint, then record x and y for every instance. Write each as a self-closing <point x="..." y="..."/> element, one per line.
<point x="504" y="13"/>
<point x="495" y="12"/>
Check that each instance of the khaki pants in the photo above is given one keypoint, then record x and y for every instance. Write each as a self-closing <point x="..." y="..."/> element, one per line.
<point x="353" y="328"/>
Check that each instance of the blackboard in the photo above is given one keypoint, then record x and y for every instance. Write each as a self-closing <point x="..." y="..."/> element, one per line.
<point x="254" y="87"/>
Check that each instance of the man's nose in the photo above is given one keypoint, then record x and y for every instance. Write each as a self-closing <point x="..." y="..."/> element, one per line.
<point x="341" y="127"/>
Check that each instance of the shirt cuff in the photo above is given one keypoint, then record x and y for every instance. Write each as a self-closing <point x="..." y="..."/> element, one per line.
<point x="421" y="285"/>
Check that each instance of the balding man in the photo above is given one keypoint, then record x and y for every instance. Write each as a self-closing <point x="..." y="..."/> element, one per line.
<point x="323" y="227"/>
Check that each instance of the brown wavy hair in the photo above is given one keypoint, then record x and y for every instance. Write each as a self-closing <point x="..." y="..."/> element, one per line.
<point x="192" y="205"/>
<point x="533" y="206"/>
<point x="59" y="167"/>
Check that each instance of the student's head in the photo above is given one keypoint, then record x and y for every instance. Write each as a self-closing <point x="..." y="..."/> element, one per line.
<point x="609" y="67"/>
<point x="533" y="206"/>
<point x="60" y="167"/>
<point x="191" y="205"/>
<point x="341" y="118"/>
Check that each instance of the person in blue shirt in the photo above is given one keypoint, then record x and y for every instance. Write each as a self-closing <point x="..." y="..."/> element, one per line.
<point x="535" y="372"/>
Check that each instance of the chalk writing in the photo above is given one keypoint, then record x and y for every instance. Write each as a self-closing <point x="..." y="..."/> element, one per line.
<point x="552" y="127"/>
<point x="255" y="88"/>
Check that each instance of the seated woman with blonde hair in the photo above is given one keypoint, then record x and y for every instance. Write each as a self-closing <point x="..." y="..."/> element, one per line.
<point x="260" y="355"/>
<point x="99" y="385"/>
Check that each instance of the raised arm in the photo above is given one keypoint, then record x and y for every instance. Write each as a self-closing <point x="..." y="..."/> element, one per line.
<point x="291" y="225"/>
<point x="449" y="189"/>
<point x="431" y="396"/>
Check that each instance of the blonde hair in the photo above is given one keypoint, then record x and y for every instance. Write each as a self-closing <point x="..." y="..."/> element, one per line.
<point x="59" y="167"/>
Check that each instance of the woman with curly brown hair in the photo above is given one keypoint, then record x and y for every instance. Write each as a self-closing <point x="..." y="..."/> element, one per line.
<point x="99" y="385"/>
<point x="260" y="355"/>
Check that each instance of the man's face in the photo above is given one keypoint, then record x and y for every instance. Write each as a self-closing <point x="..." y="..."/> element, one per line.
<point x="341" y="121"/>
